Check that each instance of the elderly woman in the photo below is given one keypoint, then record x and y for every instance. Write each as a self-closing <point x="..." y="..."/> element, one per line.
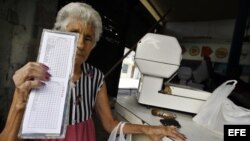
<point x="89" y="90"/>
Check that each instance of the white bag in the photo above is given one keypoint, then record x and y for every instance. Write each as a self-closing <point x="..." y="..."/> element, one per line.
<point x="218" y="110"/>
<point x="112" y="136"/>
<point x="234" y="114"/>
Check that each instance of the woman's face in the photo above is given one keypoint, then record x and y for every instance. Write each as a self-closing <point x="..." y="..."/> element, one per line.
<point x="85" y="42"/>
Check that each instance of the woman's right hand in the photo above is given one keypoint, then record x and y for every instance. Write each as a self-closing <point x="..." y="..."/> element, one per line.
<point x="30" y="76"/>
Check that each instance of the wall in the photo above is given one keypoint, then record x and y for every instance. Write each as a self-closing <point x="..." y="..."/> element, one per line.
<point x="216" y="30"/>
<point x="20" y="23"/>
<point x="15" y="33"/>
<point x="195" y="37"/>
<point x="219" y="51"/>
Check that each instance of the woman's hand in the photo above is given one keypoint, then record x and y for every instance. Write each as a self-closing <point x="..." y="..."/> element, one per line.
<point x="156" y="133"/>
<point x="30" y="76"/>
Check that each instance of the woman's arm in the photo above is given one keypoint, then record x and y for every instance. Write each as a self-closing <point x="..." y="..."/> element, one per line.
<point x="30" y="76"/>
<point x="14" y="119"/>
<point x="104" y="111"/>
<point x="154" y="132"/>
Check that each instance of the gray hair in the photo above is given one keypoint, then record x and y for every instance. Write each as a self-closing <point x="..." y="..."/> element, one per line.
<point x="80" y="11"/>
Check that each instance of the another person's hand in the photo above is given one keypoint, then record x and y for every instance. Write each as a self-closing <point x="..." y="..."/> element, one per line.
<point x="30" y="76"/>
<point x="156" y="133"/>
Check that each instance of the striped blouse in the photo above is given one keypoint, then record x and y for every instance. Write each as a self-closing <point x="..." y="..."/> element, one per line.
<point x="83" y="94"/>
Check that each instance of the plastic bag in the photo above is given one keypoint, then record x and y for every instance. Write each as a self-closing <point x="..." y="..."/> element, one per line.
<point x="234" y="114"/>
<point x="218" y="110"/>
<point x="113" y="134"/>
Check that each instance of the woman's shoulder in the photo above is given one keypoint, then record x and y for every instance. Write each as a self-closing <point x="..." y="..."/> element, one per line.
<point x="91" y="70"/>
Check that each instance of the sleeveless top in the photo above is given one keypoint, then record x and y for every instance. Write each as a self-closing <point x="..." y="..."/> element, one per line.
<point x="83" y="94"/>
<point x="82" y="102"/>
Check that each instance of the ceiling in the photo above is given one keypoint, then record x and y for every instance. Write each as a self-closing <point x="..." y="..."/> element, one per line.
<point x="197" y="10"/>
<point x="133" y="18"/>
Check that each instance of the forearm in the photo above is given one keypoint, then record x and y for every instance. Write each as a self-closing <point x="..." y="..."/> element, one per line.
<point x="134" y="128"/>
<point x="109" y="123"/>
<point x="14" y="119"/>
<point x="127" y="129"/>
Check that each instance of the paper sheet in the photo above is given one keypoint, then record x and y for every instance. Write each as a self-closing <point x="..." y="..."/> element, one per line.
<point x="45" y="107"/>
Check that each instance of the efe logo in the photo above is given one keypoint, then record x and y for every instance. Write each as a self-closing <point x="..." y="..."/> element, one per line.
<point x="236" y="132"/>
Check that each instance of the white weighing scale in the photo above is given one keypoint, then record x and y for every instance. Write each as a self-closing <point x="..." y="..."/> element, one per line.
<point x="158" y="57"/>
